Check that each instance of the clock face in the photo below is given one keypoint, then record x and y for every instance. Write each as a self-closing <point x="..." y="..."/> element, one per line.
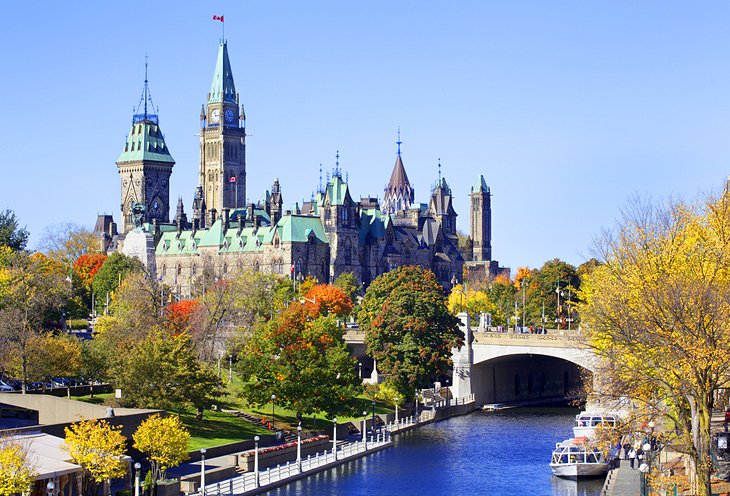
<point x="215" y="116"/>
<point x="229" y="116"/>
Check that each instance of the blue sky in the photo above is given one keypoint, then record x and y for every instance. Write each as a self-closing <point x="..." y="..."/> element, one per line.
<point x="567" y="108"/>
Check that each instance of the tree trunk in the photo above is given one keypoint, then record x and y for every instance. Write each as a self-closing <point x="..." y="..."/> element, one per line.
<point x="701" y="440"/>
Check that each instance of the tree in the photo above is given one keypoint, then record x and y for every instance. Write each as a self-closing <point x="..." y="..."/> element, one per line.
<point x="162" y="371"/>
<point x="181" y="315"/>
<point x="657" y="312"/>
<point x="51" y="356"/>
<point x="328" y="299"/>
<point x="301" y="359"/>
<point x="110" y="275"/>
<point x="165" y="442"/>
<point x="86" y="267"/>
<point x="33" y="290"/>
<point x="17" y="473"/>
<point x="99" y="448"/>
<point x="348" y="283"/>
<point x="472" y="302"/>
<point x="66" y="242"/>
<point x="10" y="234"/>
<point x="410" y="331"/>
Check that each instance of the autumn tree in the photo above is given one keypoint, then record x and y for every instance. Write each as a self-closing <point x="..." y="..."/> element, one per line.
<point x="469" y="301"/>
<point x="328" y="299"/>
<point x="657" y="310"/>
<point x="303" y="359"/>
<point x="180" y="316"/>
<point x="410" y="331"/>
<point x="11" y="234"/>
<point x="17" y="472"/>
<point x="349" y="284"/>
<point x="49" y="356"/>
<point x="110" y="275"/>
<point x="165" y="442"/>
<point x="99" y="449"/>
<point x="33" y="292"/>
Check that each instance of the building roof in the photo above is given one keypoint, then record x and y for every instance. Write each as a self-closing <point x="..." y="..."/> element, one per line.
<point x="223" y="89"/>
<point x="336" y="191"/>
<point x="398" y="193"/>
<point x="480" y="185"/>
<point x="145" y="142"/>
<point x="297" y="228"/>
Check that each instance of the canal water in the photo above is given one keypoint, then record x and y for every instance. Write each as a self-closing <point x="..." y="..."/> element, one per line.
<point x="484" y="453"/>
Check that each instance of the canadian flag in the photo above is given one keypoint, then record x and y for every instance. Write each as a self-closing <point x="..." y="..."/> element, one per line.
<point x="232" y="179"/>
<point x="218" y="18"/>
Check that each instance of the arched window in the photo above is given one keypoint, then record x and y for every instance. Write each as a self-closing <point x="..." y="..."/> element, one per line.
<point x="194" y="269"/>
<point x="164" y="270"/>
<point x="179" y="269"/>
<point x="256" y="267"/>
<point x="225" y="268"/>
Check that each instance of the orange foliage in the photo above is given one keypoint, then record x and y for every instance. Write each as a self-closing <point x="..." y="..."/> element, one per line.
<point x="523" y="273"/>
<point x="86" y="267"/>
<point x="329" y="299"/>
<point x="180" y="315"/>
<point x="502" y="279"/>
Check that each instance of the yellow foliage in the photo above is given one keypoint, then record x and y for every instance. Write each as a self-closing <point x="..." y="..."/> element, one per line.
<point x="17" y="474"/>
<point x="98" y="447"/>
<point x="472" y="302"/>
<point x="165" y="442"/>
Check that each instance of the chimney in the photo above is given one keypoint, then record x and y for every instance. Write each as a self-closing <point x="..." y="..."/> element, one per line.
<point x="213" y="216"/>
<point x="240" y="224"/>
<point x="226" y="214"/>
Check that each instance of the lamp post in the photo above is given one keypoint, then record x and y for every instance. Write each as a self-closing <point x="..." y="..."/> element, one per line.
<point x="299" y="447"/>
<point x="50" y="487"/>
<point x="396" y="411"/>
<point x="256" y="460"/>
<point x="359" y="370"/>
<point x="373" y="426"/>
<point x="364" y="426"/>
<point x="522" y="283"/>
<point x="137" y="467"/>
<point x="415" y="399"/>
<point x="202" y="471"/>
<point x="230" y="368"/>
<point x="273" y="418"/>
<point x="433" y="403"/>
<point x="334" y="438"/>
<point x="557" y="291"/>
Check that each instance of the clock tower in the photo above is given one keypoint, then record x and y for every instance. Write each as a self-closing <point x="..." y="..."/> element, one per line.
<point x="223" y="141"/>
<point x="145" y="166"/>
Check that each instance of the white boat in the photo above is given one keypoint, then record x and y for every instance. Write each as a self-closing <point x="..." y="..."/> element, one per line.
<point x="586" y="423"/>
<point x="575" y="459"/>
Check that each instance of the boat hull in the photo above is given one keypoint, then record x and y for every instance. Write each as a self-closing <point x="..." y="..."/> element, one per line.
<point x="579" y="470"/>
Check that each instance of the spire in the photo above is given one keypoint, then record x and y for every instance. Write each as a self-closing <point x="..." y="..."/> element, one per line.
<point x="145" y="101"/>
<point x="398" y="193"/>
<point x="337" y="172"/>
<point x="480" y="186"/>
<point x="223" y="88"/>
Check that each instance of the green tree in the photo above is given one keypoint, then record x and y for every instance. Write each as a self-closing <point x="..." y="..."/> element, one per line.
<point x="348" y="283"/>
<point x="302" y="359"/>
<point x="10" y="234"/>
<point x="410" y="331"/>
<point x="165" y="442"/>
<point x="110" y="275"/>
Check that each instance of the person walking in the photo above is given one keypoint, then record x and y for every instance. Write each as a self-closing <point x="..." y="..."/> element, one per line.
<point x="632" y="458"/>
<point x="627" y="448"/>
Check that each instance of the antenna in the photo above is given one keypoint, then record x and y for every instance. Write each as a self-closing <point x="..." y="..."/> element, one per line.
<point x="146" y="58"/>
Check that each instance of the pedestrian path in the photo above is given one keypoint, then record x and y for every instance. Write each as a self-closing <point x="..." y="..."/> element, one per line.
<point x="622" y="481"/>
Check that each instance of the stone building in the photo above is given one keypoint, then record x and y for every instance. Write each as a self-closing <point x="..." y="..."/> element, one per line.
<point x="322" y="238"/>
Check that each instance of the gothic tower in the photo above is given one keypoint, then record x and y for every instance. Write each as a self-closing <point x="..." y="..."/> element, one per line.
<point x="223" y="141"/>
<point x="441" y="207"/>
<point x="480" y="227"/>
<point x="145" y="165"/>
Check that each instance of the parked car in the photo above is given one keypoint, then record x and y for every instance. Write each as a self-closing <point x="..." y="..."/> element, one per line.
<point x="5" y="388"/>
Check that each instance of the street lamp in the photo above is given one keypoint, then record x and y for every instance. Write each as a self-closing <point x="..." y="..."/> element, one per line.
<point x="334" y="438"/>
<point x="359" y="370"/>
<point x="273" y="418"/>
<point x="299" y="447"/>
<point x="230" y="368"/>
<point x="415" y="399"/>
<point x="137" y="467"/>
<point x="202" y="471"/>
<point x="50" y="487"/>
<point x="373" y="426"/>
<point x="364" y="426"/>
<point x="396" y="411"/>
<point x="256" y="460"/>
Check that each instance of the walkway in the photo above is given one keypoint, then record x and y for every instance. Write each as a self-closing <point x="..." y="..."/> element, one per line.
<point x="622" y="481"/>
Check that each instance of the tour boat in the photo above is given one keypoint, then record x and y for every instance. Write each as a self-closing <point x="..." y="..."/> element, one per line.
<point x="575" y="458"/>
<point x="586" y="423"/>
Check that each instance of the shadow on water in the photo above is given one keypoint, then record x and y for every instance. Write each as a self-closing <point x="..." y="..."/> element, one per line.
<point x="491" y="453"/>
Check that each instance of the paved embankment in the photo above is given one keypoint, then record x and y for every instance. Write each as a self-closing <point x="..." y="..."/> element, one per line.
<point x="622" y="481"/>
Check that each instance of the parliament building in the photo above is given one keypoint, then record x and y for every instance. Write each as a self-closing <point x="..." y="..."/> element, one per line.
<point x="322" y="238"/>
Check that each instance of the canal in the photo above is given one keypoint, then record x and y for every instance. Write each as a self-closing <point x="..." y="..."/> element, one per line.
<point x="484" y="453"/>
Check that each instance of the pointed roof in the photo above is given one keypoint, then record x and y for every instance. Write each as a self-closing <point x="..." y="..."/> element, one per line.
<point x="223" y="88"/>
<point x="145" y="142"/>
<point x="399" y="178"/>
<point x="480" y="186"/>
<point x="398" y="193"/>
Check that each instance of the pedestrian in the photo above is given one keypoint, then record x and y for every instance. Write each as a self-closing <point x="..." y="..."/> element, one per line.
<point x="627" y="448"/>
<point x="639" y="456"/>
<point x="632" y="458"/>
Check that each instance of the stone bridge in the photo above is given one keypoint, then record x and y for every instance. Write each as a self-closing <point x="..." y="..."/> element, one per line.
<point x="504" y="367"/>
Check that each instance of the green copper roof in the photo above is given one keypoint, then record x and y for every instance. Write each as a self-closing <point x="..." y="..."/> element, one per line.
<point x="223" y="88"/>
<point x="336" y="190"/>
<point x="480" y="185"/>
<point x="373" y="222"/>
<point x="296" y="228"/>
<point x="145" y="142"/>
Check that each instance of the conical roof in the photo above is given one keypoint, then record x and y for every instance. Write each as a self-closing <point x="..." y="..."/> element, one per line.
<point x="398" y="193"/>
<point x="223" y="89"/>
